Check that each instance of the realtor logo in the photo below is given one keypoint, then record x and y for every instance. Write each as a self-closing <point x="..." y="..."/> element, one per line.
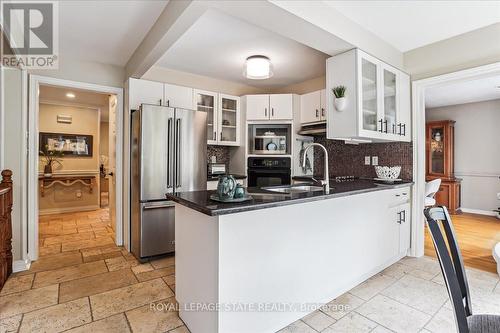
<point x="30" y="36"/>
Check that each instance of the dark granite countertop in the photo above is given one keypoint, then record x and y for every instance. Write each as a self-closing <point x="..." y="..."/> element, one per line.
<point x="200" y="200"/>
<point x="236" y="176"/>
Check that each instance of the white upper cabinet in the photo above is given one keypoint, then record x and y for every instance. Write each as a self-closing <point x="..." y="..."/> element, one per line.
<point x="310" y="107"/>
<point x="257" y="107"/>
<point x="206" y="101"/>
<point x="269" y="107"/>
<point x="322" y="103"/>
<point x="152" y="92"/>
<point x="178" y="96"/>
<point x="313" y="107"/>
<point x="377" y="95"/>
<point x="223" y="117"/>
<point x="229" y="120"/>
<point x="281" y="106"/>
<point x="143" y="91"/>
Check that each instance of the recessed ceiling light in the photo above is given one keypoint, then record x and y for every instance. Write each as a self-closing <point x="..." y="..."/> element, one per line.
<point x="258" y="67"/>
<point x="70" y="95"/>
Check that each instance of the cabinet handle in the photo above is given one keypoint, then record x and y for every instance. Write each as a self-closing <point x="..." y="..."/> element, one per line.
<point x="393" y="128"/>
<point x="265" y="112"/>
<point x="399" y="128"/>
<point x="399" y="218"/>
<point x="385" y="122"/>
<point x="215" y="136"/>
<point x="272" y="112"/>
<point x="404" y="130"/>
<point x="381" y="125"/>
<point x="160" y="101"/>
<point x="168" y="102"/>
<point x="322" y="112"/>
<point x="317" y="113"/>
<point x="221" y="136"/>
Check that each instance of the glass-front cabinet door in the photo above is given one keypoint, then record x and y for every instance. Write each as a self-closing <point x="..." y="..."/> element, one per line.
<point x="207" y="101"/>
<point x="390" y="102"/>
<point x="228" y="120"/>
<point x="369" y="94"/>
<point x="437" y="158"/>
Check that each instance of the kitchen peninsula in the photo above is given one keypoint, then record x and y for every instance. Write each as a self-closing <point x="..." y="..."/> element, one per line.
<point x="260" y="265"/>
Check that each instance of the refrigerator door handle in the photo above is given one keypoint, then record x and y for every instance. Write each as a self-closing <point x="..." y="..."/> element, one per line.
<point x="169" y="153"/>
<point x="178" y="154"/>
<point x="158" y="206"/>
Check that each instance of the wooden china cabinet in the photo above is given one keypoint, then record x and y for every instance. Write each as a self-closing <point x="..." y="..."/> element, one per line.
<point x="439" y="163"/>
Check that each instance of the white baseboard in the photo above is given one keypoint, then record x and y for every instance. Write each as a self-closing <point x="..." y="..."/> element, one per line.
<point x="20" y="265"/>
<point x="67" y="210"/>
<point x="478" y="211"/>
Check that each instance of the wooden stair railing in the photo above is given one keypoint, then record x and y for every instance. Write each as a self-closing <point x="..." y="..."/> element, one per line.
<point x="5" y="226"/>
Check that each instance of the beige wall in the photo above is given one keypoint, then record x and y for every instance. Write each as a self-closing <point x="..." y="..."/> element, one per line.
<point x="477" y="158"/>
<point x="303" y="87"/>
<point x="472" y="49"/>
<point x="75" y="197"/>
<point x="166" y="75"/>
<point x="104" y="138"/>
<point x="86" y="71"/>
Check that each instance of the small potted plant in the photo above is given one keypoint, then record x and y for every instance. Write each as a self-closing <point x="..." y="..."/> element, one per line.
<point x="51" y="157"/>
<point x="340" y="99"/>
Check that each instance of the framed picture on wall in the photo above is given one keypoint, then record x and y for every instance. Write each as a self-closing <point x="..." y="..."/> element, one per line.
<point x="71" y="145"/>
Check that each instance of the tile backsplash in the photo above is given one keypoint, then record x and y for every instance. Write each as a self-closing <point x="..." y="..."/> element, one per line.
<point x="346" y="159"/>
<point x="221" y="152"/>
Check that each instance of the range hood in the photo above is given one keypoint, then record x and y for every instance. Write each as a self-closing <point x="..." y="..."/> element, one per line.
<point x="317" y="128"/>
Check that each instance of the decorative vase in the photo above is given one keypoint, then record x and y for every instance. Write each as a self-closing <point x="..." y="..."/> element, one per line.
<point x="340" y="103"/>
<point x="226" y="187"/>
<point x="47" y="170"/>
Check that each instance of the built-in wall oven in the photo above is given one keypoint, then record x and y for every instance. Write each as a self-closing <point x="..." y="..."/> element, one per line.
<point x="269" y="171"/>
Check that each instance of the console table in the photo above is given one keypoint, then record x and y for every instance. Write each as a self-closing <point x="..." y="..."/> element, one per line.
<point x="65" y="180"/>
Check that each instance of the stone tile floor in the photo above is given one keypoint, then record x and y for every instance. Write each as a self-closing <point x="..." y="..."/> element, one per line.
<point x="84" y="283"/>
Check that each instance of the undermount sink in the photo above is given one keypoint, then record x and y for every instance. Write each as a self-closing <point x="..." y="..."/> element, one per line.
<point x="294" y="189"/>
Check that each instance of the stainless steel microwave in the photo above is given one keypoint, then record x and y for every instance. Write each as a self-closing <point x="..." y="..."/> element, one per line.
<point x="270" y="144"/>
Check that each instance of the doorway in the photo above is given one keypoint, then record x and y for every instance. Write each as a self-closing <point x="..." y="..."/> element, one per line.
<point x="74" y="178"/>
<point x="420" y="90"/>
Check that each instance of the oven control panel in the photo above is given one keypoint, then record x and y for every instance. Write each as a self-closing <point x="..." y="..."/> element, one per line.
<point x="269" y="162"/>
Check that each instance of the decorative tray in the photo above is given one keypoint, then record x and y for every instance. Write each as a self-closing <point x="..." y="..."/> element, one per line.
<point x="388" y="180"/>
<point x="215" y="197"/>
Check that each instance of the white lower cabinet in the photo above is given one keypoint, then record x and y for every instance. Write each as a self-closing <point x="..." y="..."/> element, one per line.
<point x="400" y="218"/>
<point x="403" y="217"/>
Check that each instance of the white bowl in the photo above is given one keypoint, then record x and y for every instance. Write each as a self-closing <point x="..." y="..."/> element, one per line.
<point x="385" y="172"/>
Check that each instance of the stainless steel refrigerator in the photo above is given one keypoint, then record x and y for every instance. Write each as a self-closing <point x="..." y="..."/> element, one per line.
<point x="168" y="155"/>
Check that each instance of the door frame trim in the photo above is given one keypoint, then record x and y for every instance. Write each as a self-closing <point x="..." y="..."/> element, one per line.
<point x="418" y="135"/>
<point x="31" y="224"/>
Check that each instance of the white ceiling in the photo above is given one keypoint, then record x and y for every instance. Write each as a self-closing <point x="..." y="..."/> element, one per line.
<point x="411" y="24"/>
<point x="484" y="89"/>
<point x="105" y="31"/>
<point x="218" y="44"/>
<point x="82" y="98"/>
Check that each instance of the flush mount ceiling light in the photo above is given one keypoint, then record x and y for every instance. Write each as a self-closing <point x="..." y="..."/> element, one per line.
<point x="70" y="95"/>
<point x="258" y="67"/>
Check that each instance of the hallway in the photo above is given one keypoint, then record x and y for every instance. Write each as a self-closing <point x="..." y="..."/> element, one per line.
<point x="83" y="282"/>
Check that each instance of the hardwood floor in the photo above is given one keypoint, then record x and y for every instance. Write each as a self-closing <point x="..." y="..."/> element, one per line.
<point x="476" y="234"/>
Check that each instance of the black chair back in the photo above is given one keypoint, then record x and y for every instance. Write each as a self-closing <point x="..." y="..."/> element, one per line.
<point x="451" y="263"/>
